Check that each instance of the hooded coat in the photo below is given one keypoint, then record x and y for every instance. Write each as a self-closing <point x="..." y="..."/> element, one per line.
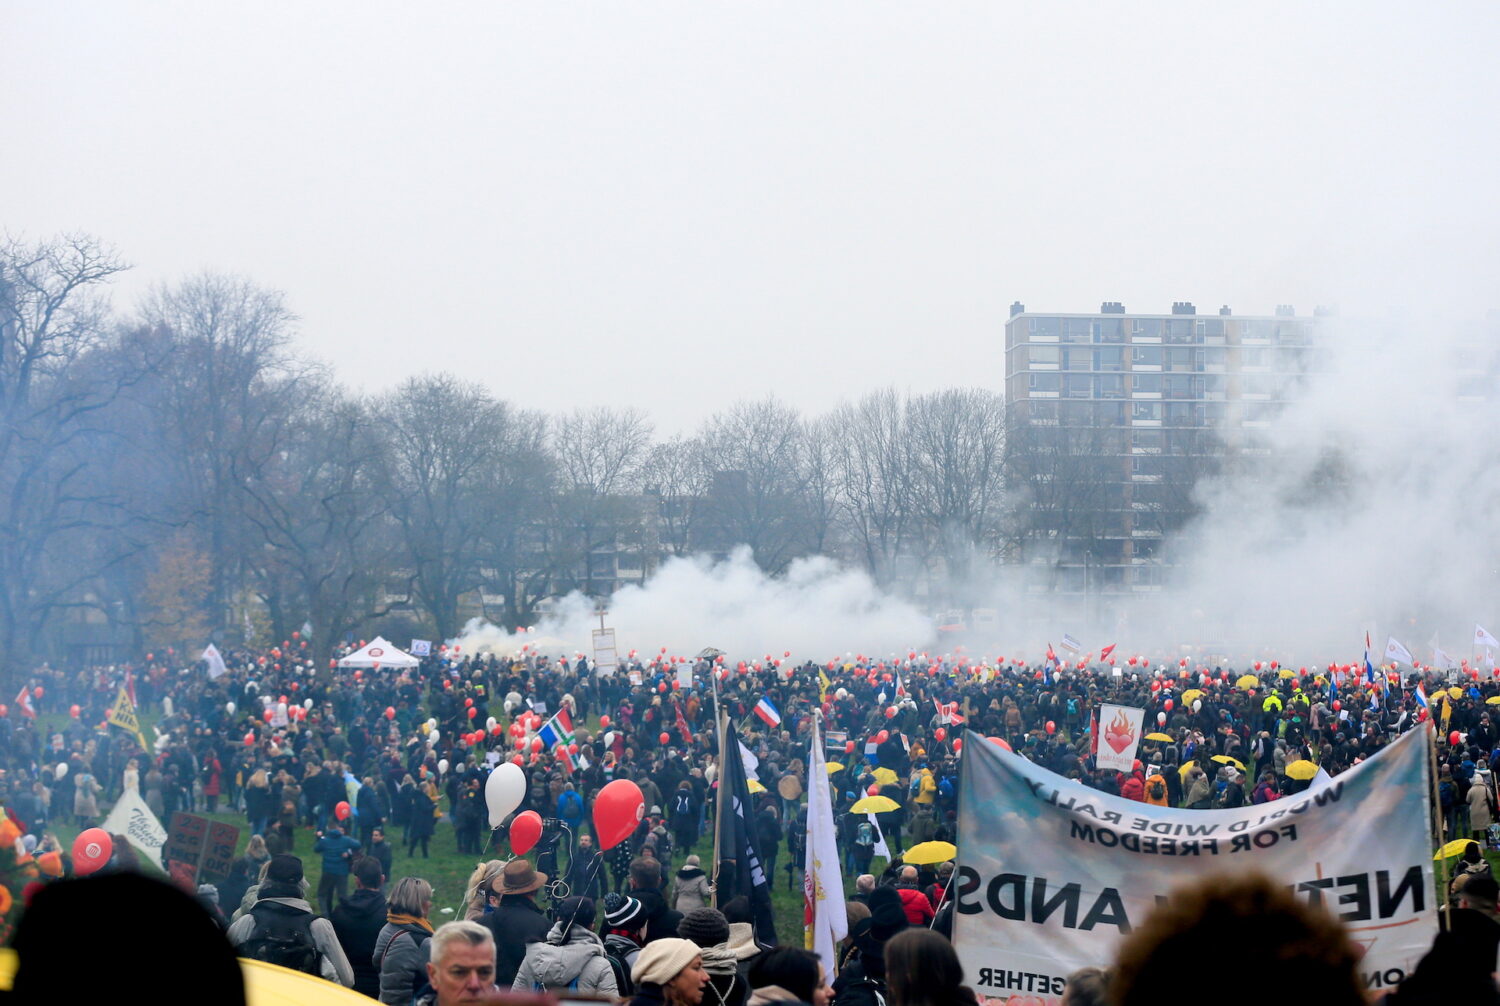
<point x="690" y="889"/>
<point x="574" y="961"/>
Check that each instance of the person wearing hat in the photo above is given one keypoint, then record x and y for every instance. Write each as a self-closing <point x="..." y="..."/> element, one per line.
<point x="516" y="920"/>
<point x="282" y="918"/>
<point x="571" y="958"/>
<point x="669" y="972"/>
<point x="624" y="932"/>
<point x="861" y="981"/>
<point x="708" y="928"/>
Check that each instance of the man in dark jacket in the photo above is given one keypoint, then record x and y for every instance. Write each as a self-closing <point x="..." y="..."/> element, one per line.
<point x="380" y="850"/>
<point x="357" y="922"/>
<point x="516" y="920"/>
<point x="338" y="852"/>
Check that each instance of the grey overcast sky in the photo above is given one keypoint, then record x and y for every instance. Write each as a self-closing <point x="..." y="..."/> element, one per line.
<point x="678" y="205"/>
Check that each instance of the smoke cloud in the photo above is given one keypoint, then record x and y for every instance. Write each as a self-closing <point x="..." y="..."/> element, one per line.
<point x="816" y="610"/>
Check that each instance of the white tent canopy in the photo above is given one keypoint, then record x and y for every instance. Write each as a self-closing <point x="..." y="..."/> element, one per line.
<point x="381" y="652"/>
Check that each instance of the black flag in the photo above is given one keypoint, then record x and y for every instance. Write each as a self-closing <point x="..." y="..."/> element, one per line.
<point x="738" y="844"/>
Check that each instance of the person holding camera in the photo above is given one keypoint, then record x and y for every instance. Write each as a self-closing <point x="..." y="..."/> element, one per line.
<point x="338" y="852"/>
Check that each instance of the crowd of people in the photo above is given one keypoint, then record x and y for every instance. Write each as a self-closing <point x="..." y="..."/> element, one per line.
<point x="360" y="767"/>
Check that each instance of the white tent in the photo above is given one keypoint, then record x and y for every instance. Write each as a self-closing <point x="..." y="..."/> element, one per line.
<point x="379" y="652"/>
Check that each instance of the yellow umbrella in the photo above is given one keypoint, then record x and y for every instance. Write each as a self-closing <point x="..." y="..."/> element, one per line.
<point x="1247" y="681"/>
<point x="756" y="787"/>
<point x="1192" y="695"/>
<point x="273" y="985"/>
<point x="1453" y="848"/>
<point x="1301" y="769"/>
<point x="1284" y="673"/>
<point x="1456" y="692"/>
<point x="1167" y="738"/>
<point x="1182" y="770"/>
<point x="833" y="767"/>
<point x="885" y="776"/>
<point x="1493" y="700"/>
<point x="1226" y="760"/>
<point x="874" y="805"/>
<point x="930" y="852"/>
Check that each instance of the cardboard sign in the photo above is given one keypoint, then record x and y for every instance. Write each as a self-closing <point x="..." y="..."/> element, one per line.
<point x="186" y="837"/>
<point x="218" y="852"/>
<point x="606" y="657"/>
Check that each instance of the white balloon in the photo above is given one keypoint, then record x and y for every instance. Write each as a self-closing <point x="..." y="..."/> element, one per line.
<point x="609" y="739"/>
<point x="442" y="766"/>
<point x="432" y="723"/>
<point x="503" y="792"/>
<point x="281" y="708"/>
<point x="307" y="703"/>
<point x="62" y="769"/>
<point x="489" y="724"/>
<point x="1197" y="705"/>
<point x="434" y="735"/>
<point x="229" y="708"/>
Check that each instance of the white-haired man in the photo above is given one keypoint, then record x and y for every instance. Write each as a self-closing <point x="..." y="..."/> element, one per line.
<point x="462" y="965"/>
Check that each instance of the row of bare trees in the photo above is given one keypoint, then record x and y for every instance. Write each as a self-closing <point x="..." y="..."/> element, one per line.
<point x="182" y="471"/>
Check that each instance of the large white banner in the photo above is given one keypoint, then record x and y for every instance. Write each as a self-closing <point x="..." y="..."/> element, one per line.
<point x="1119" y="736"/>
<point x="1052" y="874"/>
<point x="133" y="819"/>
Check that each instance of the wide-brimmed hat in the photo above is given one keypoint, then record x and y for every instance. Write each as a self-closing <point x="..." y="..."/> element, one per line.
<point x="518" y="877"/>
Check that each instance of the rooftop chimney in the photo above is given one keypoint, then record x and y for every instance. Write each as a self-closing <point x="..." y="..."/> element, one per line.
<point x="1183" y="307"/>
<point x="1017" y="308"/>
<point x="1285" y="311"/>
<point x="1224" y="311"/>
<point x="1111" y="307"/>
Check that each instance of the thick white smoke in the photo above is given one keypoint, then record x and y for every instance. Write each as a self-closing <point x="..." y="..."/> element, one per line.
<point x="817" y="610"/>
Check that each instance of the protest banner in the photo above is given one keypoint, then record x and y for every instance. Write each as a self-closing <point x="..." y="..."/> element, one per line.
<point x="606" y="657"/>
<point x="421" y="648"/>
<point x="199" y="848"/>
<point x="1119" y="736"/>
<point x="122" y="715"/>
<point x="132" y="818"/>
<point x="1052" y="874"/>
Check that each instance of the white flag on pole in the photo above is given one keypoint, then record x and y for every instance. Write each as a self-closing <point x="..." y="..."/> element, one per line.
<point x="133" y="819"/>
<point x="881" y="849"/>
<point x="215" y="662"/>
<point x="822" y="883"/>
<point x="1395" y="651"/>
<point x="1483" y="638"/>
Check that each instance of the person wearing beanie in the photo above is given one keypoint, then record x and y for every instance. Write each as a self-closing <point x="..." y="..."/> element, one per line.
<point x="624" y="932"/>
<point x="708" y="928"/>
<point x="571" y="958"/>
<point x="669" y="972"/>
<point x="282" y="915"/>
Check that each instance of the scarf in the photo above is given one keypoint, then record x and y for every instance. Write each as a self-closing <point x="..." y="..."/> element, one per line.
<point x="719" y="960"/>
<point x="401" y="919"/>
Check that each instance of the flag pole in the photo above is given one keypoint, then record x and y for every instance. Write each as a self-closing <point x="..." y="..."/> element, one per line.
<point x="719" y="782"/>
<point x="1437" y="822"/>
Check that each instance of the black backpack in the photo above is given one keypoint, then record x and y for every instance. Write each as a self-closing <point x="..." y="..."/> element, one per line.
<point x="283" y="936"/>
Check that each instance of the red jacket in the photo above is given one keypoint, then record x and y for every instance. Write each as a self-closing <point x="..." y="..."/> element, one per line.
<point x="918" y="909"/>
<point x="1133" y="788"/>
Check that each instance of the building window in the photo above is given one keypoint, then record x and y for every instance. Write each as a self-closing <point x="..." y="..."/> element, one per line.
<point x="1146" y="356"/>
<point x="1109" y="386"/>
<point x="1147" y="384"/>
<point x="1044" y="382"/>
<point x="1145" y="412"/>
<point x="1111" y="359"/>
<point x="1044" y="354"/>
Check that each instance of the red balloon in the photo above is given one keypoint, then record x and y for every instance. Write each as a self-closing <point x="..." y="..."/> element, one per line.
<point x="848" y="747"/>
<point x="604" y="722"/>
<point x="572" y="749"/>
<point x="890" y="712"/>
<point x="1167" y="705"/>
<point x="37" y="692"/>
<point x="882" y="737"/>
<point x="91" y="850"/>
<point x="468" y="703"/>
<point x="520" y="743"/>
<point x="341" y="810"/>
<point x="517" y="760"/>
<point x="665" y="737"/>
<point x="390" y="712"/>
<point x="940" y="734"/>
<point x="958" y="745"/>
<point x="473" y="712"/>
<point x="268" y="714"/>
<point x="536" y="745"/>
<point x="1051" y="727"/>
<point x="525" y="831"/>
<point x="618" y="808"/>
<point x="1337" y="705"/>
<point x="250" y="740"/>
<point x="497" y="730"/>
<point x="73" y="711"/>
<point x="4" y="709"/>
<point x="1455" y="738"/>
<point x="873" y="791"/>
<point x="1000" y="741"/>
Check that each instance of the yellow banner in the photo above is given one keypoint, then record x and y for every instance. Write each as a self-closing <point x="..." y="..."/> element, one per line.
<point x="123" y="715"/>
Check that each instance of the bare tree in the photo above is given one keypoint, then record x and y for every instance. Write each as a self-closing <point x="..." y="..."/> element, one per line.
<point x="600" y="453"/>
<point x="57" y="377"/>
<point x="674" y="475"/>
<point x="875" y="494"/>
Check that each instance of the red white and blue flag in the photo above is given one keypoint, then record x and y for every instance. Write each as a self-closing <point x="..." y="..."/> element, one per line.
<point x="557" y="730"/>
<point x="768" y="712"/>
<point x="24" y="702"/>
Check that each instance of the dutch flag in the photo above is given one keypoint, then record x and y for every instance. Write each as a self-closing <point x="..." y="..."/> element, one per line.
<point x="768" y="712"/>
<point x="1422" y="698"/>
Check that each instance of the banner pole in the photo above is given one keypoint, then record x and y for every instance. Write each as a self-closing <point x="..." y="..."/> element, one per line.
<point x="1437" y="821"/>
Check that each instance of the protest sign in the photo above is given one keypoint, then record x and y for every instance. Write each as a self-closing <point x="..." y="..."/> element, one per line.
<point x="1119" y="736"/>
<point x="606" y="657"/>
<point x="133" y="819"/>
<point x="421" y="648"/>
<point x="1052" y="874"/>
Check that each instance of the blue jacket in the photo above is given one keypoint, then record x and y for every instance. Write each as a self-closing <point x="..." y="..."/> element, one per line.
<point x="570" y="806"/>
<point x="333" y="845"/>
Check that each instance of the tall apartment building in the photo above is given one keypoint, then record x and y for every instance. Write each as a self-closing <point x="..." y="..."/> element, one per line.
<point x="1114" y="417"/>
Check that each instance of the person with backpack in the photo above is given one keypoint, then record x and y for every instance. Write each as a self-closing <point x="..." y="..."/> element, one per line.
<point x="401" y="950"/>
<point x="280" y="928"/>
<point x="571" y="959"/>
<point x="685" y="815"/>
<point x="624" y="935"/>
